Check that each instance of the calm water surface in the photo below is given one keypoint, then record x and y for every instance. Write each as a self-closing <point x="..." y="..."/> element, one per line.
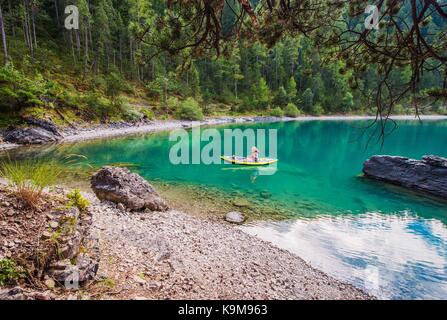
<point x="382" y="238"/>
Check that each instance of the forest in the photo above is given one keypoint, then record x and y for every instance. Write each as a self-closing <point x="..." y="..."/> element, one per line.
<point x="120" y="63"/>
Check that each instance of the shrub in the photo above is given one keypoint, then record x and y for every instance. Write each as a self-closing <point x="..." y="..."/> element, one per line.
<point x="132" y="114"/>
<point x="189" y="110"/>
<point x="76" y="199"/>
<point x="308" y="100"/>
<point x="9" y="272"/>
<point x="317" y="110"/>
<point x="100" y="106"/>
<point x="19" y="90"/>
<point x="172" y="103"/>
<point x="29" y="178"/>
<point x="246" y="105"/>
<point x="277" y="112"/>
<point x="149" y="114"/>
<point x="114" y="85"/>
<point x="291" y="110"/>
<point x="398" y="109"/>
<point x="281" y="98"/>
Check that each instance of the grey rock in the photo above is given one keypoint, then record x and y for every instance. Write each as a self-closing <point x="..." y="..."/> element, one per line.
<point x="30" y="135"/>
<point x="47" y="125"/>
<point x="119" y="185"/>
<point x="65" y="272"/>
<point x="428" y="175"/>
<point x="15" y="293"/>
<point x="235" y="217"/>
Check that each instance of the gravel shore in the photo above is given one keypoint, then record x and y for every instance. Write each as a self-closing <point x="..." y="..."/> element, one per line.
<point x="173" y="255"/>
<point x="121" y="129"/>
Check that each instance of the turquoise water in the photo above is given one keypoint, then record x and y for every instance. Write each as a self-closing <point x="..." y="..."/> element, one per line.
<point x="382" y="238"/>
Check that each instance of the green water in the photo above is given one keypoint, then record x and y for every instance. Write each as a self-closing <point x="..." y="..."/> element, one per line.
<point x="348" y="226"/>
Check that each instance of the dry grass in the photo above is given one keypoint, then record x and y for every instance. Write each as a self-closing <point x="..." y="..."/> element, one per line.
<point x="29" y="178"/>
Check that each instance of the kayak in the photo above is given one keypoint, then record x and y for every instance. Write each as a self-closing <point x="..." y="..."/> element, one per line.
<point x="248" y="162"/>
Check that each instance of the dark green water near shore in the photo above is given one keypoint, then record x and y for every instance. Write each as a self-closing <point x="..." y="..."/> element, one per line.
<point x="382" y="238"/>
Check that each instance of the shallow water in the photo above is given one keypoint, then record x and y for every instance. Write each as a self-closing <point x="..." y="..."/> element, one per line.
<point x="382" y="238"/>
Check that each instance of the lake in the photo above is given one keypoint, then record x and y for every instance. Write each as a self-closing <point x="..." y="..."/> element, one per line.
<point x="382" y="238"/>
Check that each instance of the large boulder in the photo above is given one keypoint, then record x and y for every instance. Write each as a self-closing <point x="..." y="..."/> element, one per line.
<point x="428" y="175"/>
<point x="119" y="185"/>
<point x="47" y="125"/>
<point x="31" y="135"/>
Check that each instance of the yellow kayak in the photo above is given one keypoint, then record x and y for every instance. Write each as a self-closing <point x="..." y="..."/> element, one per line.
<point x="248" y="162"/>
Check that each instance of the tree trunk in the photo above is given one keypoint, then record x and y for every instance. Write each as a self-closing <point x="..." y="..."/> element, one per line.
<point x="56" y="9"/>
<point x="86" y="51"/>
<point x="2" y="30"/>
<point x="28" y="30"/>
<point x="78" y="44"/>
<point x="33" y="15"/>
<point x="13" y="27"/>
<point x="235" y="88"/>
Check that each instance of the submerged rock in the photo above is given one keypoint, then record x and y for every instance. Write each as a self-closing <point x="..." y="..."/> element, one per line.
<point x="241" y="202"/>
<point x="428" y="175"/>
<point x="119" y="185"/>
<point x="30" y="135"/>
<point x="235" y="217"/>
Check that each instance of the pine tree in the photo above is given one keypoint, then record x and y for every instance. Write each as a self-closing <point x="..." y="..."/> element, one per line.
<point x="3" y="33"/>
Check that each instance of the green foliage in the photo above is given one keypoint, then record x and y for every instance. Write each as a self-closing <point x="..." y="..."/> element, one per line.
<point x="308" y="100"/>
<point x="29" y="178"/>
<point x="172" y="103"/>
<point x="277" y="112"/>
<point x="189" y="110"/>
<point x="398" y="109"/>
<point x="10" y="273"/>
<point x="99" y="105"/>
<point x="348" y="102"/>
<point x="261" y="94"/>
<point x="76" y="199"/>
<point x="291" y="89"/>
<point x="317" y="110"/>
<point x="291" y="110"/>
<point x="18" y="91"/>
<point x="149" y="114"/>
<point x="132" y="114"/>
<point x="66" y="73"/>
<point x="281" y="98"/>
<point x="114" y="85"/>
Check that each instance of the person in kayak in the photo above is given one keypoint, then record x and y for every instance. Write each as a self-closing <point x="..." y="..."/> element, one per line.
<point x="254" y="154"/>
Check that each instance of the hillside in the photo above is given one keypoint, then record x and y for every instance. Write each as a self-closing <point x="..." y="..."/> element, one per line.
<point x="105" y="71"/>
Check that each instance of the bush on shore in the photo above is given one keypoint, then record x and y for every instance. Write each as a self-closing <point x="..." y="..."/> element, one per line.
<point x="277" y="112"/>
<point x="291" y="110"/>
<point x="189" y="110"/>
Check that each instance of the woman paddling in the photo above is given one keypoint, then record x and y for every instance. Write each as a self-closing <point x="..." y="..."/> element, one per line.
<point x="254" y="154"/>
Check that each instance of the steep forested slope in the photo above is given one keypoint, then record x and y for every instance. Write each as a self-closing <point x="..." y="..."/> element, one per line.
<point x="103" y="71"/>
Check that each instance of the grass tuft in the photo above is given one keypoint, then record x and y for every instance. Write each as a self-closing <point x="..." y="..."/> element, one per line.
<point x="29" y="178"/>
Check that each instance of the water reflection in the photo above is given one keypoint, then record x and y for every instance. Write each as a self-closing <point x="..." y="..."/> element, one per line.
<point x="408" y="253"/>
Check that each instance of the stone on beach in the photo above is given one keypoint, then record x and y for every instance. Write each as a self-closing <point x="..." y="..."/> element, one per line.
<point x="427" y="175"/>
<point x="119" y="185"/>
<point x="235" y="217"/>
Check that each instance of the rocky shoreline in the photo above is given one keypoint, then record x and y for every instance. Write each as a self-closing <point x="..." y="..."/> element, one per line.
<point x="40" y="130"/>
<point x="148" y="250"/>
